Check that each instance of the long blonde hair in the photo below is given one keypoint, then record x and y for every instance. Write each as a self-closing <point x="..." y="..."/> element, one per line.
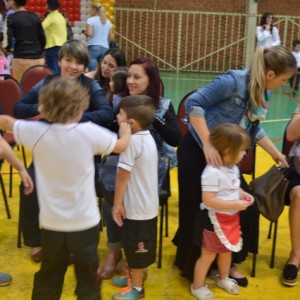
<point x="100" y="11"/>
<point x="278" y="59"/>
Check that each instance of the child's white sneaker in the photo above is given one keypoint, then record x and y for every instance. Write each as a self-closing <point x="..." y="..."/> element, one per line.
<point x="203" y="293"/>
<point x="229" y="285"/>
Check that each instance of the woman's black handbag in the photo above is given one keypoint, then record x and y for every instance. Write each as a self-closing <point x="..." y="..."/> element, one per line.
<point x="270" y="191"/>
<point x="107" y="170"/>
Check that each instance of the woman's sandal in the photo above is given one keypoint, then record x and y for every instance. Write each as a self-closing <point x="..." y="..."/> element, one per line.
<point x="108" y="270"/>
<point x="289" y="275"/>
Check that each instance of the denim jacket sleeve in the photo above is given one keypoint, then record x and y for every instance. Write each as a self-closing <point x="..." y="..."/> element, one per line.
<point x="225" y="99"/>
<point x="218" y="91"/>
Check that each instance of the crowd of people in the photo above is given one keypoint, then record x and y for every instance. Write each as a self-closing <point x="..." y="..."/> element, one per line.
<point x="118" y="108"/>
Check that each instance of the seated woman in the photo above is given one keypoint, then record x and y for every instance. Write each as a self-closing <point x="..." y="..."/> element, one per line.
<point x="290" y="271"/>
<point x="73" y="59"/>
<point x="143" y="79"/>
<point x="112" y="59"/>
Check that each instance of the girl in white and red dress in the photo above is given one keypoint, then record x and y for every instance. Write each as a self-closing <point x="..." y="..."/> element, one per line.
<point x="222" y="200"/>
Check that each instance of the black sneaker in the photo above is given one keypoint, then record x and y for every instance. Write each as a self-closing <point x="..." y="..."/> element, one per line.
<point x="289" y="275"/>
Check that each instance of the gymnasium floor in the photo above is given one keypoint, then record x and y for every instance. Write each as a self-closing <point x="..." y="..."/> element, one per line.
<point x="166" y="283"/>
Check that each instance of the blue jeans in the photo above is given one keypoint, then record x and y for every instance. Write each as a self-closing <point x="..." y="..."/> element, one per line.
<point x="95" y="55"/>
<point x="51" y="55"/>
<point x="29" y="210"/>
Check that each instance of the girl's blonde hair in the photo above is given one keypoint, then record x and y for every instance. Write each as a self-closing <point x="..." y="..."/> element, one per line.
<point x="230" y="137"/>
<point x="62" y="100"/>
<point x="100" y="11"/>
<point x="278" y="59"/>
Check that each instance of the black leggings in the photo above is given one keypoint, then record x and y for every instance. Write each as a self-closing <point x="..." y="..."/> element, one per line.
<point x="29" y="209"/>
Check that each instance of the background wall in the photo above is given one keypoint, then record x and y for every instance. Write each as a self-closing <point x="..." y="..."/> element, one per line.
<point x="277" y="7"/>
<point x="207" y="36"/>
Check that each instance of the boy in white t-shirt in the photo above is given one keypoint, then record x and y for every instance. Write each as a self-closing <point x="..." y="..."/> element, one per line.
<point x="63" y="151"/>
<point x="136" y="193"/>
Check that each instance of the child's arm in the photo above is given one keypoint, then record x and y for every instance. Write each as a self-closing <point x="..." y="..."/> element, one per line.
<point x="210" y="200"/>
<point x="8" y="154"/>
<point x="122" y="142"/>
<point x="7" y="123"/>
<point x="122" y="179"/>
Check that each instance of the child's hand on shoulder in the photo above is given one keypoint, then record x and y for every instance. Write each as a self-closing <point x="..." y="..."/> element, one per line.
<point x="124" y="129"/>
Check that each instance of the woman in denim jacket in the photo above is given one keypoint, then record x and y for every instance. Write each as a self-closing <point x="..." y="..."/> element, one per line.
<point x="238" y="97"/>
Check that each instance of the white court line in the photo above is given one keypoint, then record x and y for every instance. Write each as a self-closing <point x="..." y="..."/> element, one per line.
<point x="276" y="120"/>
<point x="186" y="79"/>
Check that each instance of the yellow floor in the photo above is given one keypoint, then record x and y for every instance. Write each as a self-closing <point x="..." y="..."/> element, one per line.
<point x="164" y="283"/>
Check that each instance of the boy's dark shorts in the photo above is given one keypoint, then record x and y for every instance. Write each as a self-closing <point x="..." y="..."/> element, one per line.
<point x="139" y="242"/>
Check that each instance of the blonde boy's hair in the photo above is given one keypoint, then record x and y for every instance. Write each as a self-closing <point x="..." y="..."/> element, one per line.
<point x="140" y="108"/>
<point x="62" y="100"/>
<point x="230" y="137"/>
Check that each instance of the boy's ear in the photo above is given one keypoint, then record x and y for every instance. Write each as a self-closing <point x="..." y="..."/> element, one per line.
<point x="132" y="122"/>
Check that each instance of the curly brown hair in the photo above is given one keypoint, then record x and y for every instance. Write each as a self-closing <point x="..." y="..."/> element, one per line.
<point x="63" y="100"/>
